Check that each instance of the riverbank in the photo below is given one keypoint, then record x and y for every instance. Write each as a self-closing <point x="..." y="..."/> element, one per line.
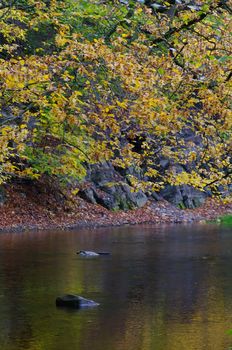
<point x="27" y="208"/>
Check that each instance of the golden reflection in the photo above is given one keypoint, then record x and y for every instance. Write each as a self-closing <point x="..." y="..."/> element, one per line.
<point x="163" y="301"/>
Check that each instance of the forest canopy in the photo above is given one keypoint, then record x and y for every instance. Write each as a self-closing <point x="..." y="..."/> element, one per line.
<point x="135" y="83"/>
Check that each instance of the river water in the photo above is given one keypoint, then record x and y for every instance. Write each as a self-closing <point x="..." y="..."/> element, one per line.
<point x="162" y="288"/>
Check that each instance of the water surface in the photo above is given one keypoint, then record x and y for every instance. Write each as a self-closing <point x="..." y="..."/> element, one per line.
<point x="162" y="288"/>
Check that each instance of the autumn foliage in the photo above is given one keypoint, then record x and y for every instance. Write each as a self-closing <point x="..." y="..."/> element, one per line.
<point x="89" y="81"/>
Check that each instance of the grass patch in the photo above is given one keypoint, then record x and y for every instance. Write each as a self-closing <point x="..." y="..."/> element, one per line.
<point x="226" y="220"/>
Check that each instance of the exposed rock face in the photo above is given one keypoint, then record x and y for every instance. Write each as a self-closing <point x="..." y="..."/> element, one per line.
<point x="107" y="187"/>
<point x="2" y="196"/>
<point x="74" y="301"/>
<point x="111" y="188"/>
<point x="183" y="196"/>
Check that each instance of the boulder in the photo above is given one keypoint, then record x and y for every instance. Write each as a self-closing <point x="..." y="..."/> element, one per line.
<point x="114" y="196"/>
<point x="110" y="186"/>
<point x="88" y="194"/>
<point x="102" y="173"/>
<point x="74" y="301"/>
<point x="89" y="253"/>
<point x="137" y="199"/>
<point x="156" y="196"/>
<point x="2" y="196"/>
<point x="183" y="196"/>
<point x="106" y="186"/>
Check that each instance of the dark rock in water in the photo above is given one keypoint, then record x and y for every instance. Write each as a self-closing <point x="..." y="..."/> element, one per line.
<point x="87" y="253"/>
<point x="91" y="253"/>
<point x="74" y="301"/>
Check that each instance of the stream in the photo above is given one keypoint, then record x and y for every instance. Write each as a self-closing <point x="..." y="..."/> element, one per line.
<point x="163" y="287"/>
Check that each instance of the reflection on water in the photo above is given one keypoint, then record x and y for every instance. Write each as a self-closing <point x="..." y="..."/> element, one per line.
<point x="162" y="288"/>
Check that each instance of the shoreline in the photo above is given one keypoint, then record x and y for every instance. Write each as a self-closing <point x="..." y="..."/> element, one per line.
<point x="27" y="209"/>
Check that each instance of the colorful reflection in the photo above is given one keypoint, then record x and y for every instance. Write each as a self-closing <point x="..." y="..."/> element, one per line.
<point x="162" y="288"/>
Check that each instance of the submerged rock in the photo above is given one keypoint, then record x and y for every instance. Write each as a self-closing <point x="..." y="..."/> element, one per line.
<point x="74" y="301"/>
<point x="91" y="253"/>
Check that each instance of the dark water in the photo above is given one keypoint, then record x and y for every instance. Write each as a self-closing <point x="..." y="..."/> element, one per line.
<point x="163" y="288"/>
